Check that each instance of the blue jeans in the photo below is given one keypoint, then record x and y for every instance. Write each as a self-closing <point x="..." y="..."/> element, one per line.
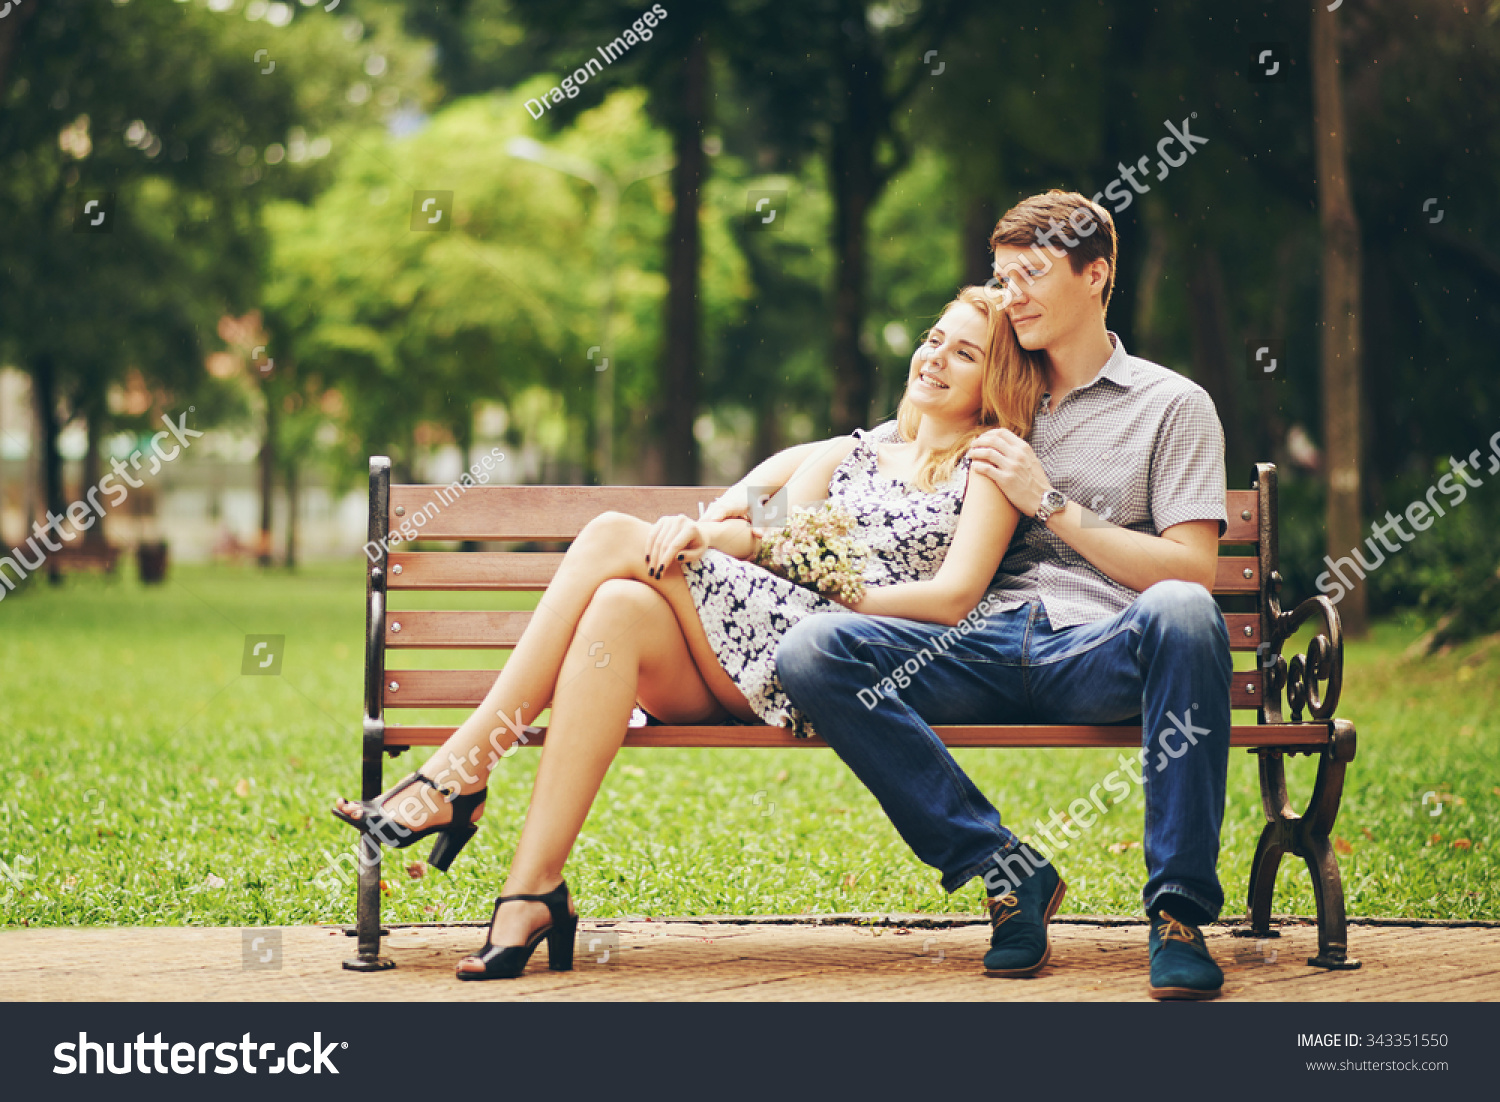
<point x="1165" y="659"/>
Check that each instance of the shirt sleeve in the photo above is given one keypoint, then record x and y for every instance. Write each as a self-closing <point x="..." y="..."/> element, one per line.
<point x="883" y="433"/>
<point x="1187" y="464"/>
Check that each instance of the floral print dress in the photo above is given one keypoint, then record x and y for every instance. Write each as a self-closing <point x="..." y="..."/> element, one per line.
<point x="746" y="609"/>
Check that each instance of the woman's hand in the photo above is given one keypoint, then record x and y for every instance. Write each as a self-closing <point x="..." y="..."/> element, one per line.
<point x="674" y="539"/>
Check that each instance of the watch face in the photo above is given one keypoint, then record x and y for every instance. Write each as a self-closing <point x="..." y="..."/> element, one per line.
<point x="1054" y="500"/>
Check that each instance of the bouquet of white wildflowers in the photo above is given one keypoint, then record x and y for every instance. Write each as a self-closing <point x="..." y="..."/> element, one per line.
<point x="816" y="548"/>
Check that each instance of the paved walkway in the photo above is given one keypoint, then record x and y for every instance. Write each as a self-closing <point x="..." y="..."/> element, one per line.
<point x="780" y="959"/>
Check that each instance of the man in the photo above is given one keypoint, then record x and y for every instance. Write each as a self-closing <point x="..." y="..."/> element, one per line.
<point x="1105" y="613"/>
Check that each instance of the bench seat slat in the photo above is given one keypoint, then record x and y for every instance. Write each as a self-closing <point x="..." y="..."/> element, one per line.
<point x="1287" y="734"/>
<point x="560" y="512"/>
<point x="493" y="630"/>
<point x="466" y="688"/>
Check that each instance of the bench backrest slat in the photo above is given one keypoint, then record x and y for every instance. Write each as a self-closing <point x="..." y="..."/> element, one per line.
<point x="543" y="513"/>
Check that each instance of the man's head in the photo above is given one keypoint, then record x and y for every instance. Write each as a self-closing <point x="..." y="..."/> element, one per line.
<point x="1049" y="300"/>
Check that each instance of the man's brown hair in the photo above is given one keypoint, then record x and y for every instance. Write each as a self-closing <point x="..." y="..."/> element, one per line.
<point x="1035" y="221"/>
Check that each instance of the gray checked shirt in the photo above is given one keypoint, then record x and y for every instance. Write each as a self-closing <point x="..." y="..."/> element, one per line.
<point x="1140" y="446"/>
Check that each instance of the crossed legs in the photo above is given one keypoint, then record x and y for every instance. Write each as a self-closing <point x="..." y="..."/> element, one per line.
<point x="606" y="635"/>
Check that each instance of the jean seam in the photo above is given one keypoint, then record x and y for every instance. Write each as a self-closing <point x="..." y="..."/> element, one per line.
<point x="905" y="648"/>
<point x="1095" y="645"/>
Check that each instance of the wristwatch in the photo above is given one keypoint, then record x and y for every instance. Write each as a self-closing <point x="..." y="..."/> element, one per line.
<point x="1053" y="501"/>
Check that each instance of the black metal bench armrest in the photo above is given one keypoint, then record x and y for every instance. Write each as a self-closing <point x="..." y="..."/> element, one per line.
<point x="1323" y="664"/>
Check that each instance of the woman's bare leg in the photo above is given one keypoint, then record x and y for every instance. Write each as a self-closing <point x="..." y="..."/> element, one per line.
<point x="612" y="546"/>
<point x="645" y="657"/>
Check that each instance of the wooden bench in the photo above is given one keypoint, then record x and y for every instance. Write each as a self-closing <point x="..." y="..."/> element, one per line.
<point x="1247" y="589"/>
<point x="72" y="558"/>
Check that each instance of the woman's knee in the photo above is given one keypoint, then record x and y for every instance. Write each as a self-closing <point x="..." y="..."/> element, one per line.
<point x="617" y="599"/>
<point x="611" y="541"/>
<point x="612" y="529"/>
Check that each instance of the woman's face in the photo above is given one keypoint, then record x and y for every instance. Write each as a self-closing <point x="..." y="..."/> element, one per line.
<point x="947" y="367"/>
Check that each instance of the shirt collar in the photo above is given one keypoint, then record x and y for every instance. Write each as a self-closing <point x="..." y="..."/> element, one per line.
<point x="1117" y="368"/>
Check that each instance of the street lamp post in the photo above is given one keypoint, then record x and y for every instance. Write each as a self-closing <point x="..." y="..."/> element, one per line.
<point x="609" y="188"/>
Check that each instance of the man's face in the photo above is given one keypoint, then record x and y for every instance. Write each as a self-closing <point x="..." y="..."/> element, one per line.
<point x="1055" y="303"/>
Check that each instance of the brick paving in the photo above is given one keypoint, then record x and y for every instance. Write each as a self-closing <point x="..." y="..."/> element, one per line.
<point x="916" y="958"/>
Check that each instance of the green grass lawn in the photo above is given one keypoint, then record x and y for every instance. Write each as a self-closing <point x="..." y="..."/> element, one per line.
<point x="147" y="781"/>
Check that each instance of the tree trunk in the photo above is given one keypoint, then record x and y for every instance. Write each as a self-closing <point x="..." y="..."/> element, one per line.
<point x="856" y="185"/>
<point x="1208" y="318"/>
<point x="44" y="394"/>
<point x="291" y="516"/>
<point x="980" y="216"/>
<point x="10" y="36"/>
<point x="93" y="408"/>
<point x="1341" y="315"/>
<point x="267" y="480"/>
<point x="682" y="356"/>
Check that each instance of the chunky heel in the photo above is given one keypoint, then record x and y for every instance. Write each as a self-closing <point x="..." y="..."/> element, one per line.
<point x="375" y="823"/>
<point x="506" y="962"/>
<point x="560" y="942"/>
<point x="448" y="845"/>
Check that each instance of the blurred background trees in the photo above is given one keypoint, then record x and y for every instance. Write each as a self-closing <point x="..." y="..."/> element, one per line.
<point x="601" y="295"/>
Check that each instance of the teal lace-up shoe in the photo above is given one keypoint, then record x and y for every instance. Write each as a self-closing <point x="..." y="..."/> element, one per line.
<point x="1181" y="967"/>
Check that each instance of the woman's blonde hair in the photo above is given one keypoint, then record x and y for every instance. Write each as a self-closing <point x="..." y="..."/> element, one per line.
<point x="1010" y="387"/>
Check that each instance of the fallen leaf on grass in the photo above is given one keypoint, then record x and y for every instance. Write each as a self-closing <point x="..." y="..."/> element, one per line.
<point x="416" y="870"/>
<point x="385" y="887"/>
<point x="242" y="787"/>
<point x="1342" y="846"/>
<point x="1121" y="847"/>
<point x="851" y="879"/>
<point x="212" y="881"/>
<point x="1461" y="843"/>
<point x="1366" y="832"/>
<point x="781" y="776"/>
<point x="1434" y="840"/>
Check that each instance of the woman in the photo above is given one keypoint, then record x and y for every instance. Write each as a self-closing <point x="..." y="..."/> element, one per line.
<point x="670" y="616"/>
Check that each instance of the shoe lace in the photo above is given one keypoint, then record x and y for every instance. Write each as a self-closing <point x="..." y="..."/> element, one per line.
<point x="1003" y="908"/>
<point x="1178" y="931"/>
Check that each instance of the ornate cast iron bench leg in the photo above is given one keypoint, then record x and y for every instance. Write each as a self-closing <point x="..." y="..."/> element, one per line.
<point x="1307" y="836"/>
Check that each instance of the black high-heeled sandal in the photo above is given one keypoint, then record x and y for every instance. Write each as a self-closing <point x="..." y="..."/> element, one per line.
<point x="506" y="962"/>
<point x="452" y="835"/>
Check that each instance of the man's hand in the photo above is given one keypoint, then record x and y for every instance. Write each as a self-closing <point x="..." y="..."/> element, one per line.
<point x="1008" y="461"/>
